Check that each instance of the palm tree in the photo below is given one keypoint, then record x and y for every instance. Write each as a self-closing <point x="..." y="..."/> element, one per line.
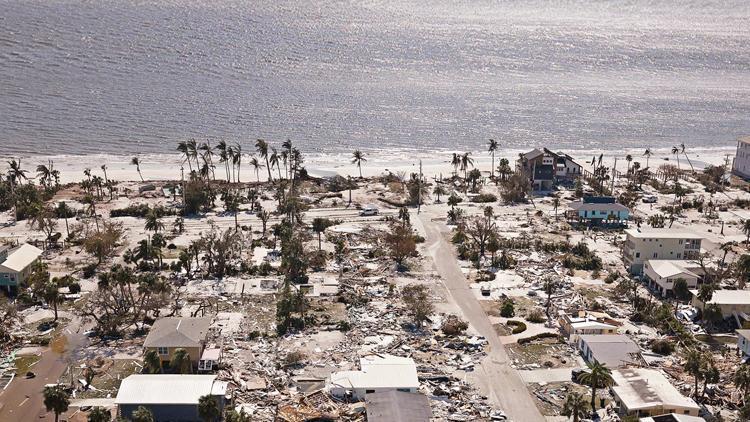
<point x="682" y="149"/>
<point x="152" y="362"/>
<point x="274" y="160"/>
<point x="183" y="148"/>
<point x="319" y="225"/>
<point x="208" y="161"/>
<point x="264" y="216"/>
<point x="257" y="166"/>
<point x="746" y="229"/>
<point x="706" y="293"/>
<point x="693" y="366"/>
<point x="153" y="222"/>
<point x="357" y="158"/>
<point x="456" y="163"/>
<point x="64" y="209"/>
<point x="237" y="159"/>
<point x="492" y="148"/>
<point x="262" y="147"/>
<point x="629" y="159"/>
<point x="180" y="362"/>
<point x="224" y="156"/>
<point x="192" y="150"/>
<point x="504" y="169"/>
<point x="676" y="152"/>
<point x="466" y="162"/>
<point x="647" y="154"/>
<point x="104" y="169"/>
<point x="574" y="406"/>
<point x="137" y="163"/>
<point x="208" y="408"/>
<point x="99" y="414"/>
<point x="439" y="190"/>
<point x="56" y="400"/>
<point x="45" y="175"/>
<point x="597" y="376"/>
<point x="726" y="247"/>
<point x="142" y="414"/>
<point x="15" y="172"/>
<point x="742" y="380"/>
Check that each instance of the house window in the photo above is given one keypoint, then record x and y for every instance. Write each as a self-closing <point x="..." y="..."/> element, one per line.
<point x="637" y="254"/>
<point x="655" y="254"/>
<point x="679" y="255"/>
<point x="405" y="390"/>
<point x="163" y="351"/>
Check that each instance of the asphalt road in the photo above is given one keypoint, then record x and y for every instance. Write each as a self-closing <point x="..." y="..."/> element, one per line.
<point x="22" y="400"/>
<point x="506" y="388"/>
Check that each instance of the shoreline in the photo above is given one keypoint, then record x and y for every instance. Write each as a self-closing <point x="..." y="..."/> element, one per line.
<point x="166" y="166"/>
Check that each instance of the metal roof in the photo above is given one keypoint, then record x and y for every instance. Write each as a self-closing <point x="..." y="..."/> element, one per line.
<point x="641" y="388"/>
<point x="168" y="389"/>
<point x="21" y="257"/>
<point x="397" y="406"/>
<point x="661" y="233"/>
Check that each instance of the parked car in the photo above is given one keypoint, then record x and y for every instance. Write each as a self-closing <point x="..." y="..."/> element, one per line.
<point x="368" y="210"/>
<point x="649" y="199"/>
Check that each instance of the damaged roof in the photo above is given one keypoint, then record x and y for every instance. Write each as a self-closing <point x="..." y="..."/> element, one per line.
<point x="178" y="332"/>
<point x="397" y="406"/>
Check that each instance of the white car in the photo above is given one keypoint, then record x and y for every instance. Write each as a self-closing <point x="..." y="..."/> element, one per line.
<point x="368" y="210"/>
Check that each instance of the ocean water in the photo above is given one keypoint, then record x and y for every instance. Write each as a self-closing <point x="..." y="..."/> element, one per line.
<point x="126" y="76"/>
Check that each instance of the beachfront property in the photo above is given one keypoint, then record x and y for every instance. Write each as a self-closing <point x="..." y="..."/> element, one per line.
<point x="168" y="397"/>
<point x="546" y="168"/>
<point x="647" y="392"/>
<point x="377" y="374"/>
<point x="614" y="351"/>
<point x="743" y="342"/>
<point x="16" y="264"/>
<point x="642" y="244"/>
<point x="584" y="323"/>
<point x="741" y="164"/>
<point x="734" y="303"/>
<point x="598" y="211"/>
<point x="170" y="334"/>
<point x="661" y="274"/>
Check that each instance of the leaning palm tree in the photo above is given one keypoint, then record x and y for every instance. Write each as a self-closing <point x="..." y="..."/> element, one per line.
<point x="574" y="406"/>
<point x="262" y="147"/>
<point x="676" y="152"/>
<point x="207" y="156"/>
<point x="192" y="150"/>
<point x="597" y="376"/>
<point x="180" y="362"/>
<point x="648" y="155"/>
<point x="492" y="148"/>
<point x="183" y="148"/>
<point x="137" y="163"/>
<point x="357" y="158"/>
<point x="15" y="172"/>
<point x="682" y="149"/>
<point x="45" y="175"/>
<point x="257" y="165"/>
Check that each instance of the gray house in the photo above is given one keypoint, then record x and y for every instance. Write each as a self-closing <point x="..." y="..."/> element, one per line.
<point x="169" y="397"/>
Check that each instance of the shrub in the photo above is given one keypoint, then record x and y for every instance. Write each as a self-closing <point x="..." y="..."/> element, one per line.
<point x="453" y="326"/>
<point x="294" y="358"/>
<point x="518" y="326"/>
<point x="484" y="198"/>
<point x="536" y="316"/>
<point x="663" y="347"/>
<point x="539" y="336"/>
<point x="507" y="310"/>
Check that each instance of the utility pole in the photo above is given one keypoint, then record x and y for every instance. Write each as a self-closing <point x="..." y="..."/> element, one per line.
<point x="182" y="184"/>
<point x="614" y="174"/>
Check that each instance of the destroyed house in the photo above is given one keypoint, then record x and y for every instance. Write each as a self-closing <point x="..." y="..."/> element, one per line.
<point x="16" y="264"/>
<point x="646" y="392"/>
<point x="733" y="303"/>
<point x="170" y="334"/>
<point x="168" y="397"/>
<point x="377" y="374"/>
<point x="614" y="351"/>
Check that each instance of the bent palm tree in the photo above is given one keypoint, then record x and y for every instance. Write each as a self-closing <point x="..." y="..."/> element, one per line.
<point x="137" y="163"/>
<point x="682" y="149"/>
<point x="257" y="166"/>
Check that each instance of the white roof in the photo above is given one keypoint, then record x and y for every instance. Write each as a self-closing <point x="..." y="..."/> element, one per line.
<point x="580" y="325"/>
<point x="663" y="233"/>
<point x="379" y="371"/>
<point x="728" y="297"/>
<point x="671" y="267"/>
<point x="168" y="389"/>
<point x="642" y="388"/>
<point x="676" y="417"/>
<point x="21" y="257"/>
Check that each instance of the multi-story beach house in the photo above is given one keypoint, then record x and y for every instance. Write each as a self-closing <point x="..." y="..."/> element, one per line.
<point x="642" y="244"/>
<point x="741" y="165"/>
<point x="546" y="168"/>
<point x="598" y="211"/>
